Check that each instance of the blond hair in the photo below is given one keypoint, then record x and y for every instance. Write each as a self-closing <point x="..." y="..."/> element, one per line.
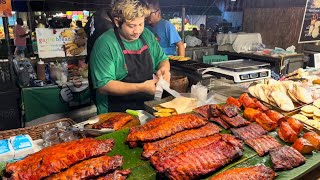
<point x="128" y="10"/>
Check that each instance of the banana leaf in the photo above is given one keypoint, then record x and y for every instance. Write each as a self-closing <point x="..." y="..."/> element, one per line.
<point x="143" y="170"/>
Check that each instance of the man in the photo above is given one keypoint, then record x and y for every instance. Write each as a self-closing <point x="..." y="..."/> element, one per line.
<point x="20" y="40"/>
<point x="203" y="35"/>
<point x="123" y="60"/>
<point x="165" y="31"/>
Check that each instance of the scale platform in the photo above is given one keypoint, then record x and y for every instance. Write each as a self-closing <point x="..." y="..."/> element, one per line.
<point x="241" y="70"/>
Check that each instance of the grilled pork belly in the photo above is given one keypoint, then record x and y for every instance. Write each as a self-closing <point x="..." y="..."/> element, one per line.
<point x="237" y="121"/>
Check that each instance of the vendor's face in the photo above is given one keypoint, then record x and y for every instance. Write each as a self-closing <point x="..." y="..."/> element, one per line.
<point x="132" y="30"/>
<point x="154" y="16"/>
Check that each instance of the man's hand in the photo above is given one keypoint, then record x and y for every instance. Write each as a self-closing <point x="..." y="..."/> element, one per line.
<point x="149" y="86"/>
<point x="164" y="70"/>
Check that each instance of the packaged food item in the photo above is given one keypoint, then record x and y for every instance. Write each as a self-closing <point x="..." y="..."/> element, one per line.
<point x="6" y="150"/>
<point x="22" y="146"/>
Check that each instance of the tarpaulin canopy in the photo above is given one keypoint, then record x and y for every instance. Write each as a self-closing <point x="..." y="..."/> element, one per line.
<point x="198" y="7"/>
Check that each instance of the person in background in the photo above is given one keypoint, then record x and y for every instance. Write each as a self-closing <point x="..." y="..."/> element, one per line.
<point x="97" y="24"/>
<point x="203" y="35"/>
<point x="195" y="32"/>
<point x="20" y="37"/>
<point x="79" y="24"/>
<point x="124" y="60"/>
<point x="164" y="31"/>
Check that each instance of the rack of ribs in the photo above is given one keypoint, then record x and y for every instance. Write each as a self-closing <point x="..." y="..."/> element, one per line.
<point x="253" y="173"/>
<point x="286" y="157"/>
<point x="116" y="175"/>
<point x="115" y="122"/>
<point x="58" y="157"/>
<point x="200" y="161"/>
<point x="167" y="127"/>
<point x="90" y="168"/>
<point x="263" y="144"/>
<point x="203" y="111"/>
<point x="152" y="147"/>
<point x="249" y="132"/>
<point x="173" y="151"/>
<point x="237" y="121"/>
<point x="221" y="122"/>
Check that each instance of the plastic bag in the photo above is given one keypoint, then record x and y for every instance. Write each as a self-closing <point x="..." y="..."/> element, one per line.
<point x="192" y="41"/>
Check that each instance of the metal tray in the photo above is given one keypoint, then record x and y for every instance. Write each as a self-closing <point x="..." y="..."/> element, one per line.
<point x="240" y="65"/>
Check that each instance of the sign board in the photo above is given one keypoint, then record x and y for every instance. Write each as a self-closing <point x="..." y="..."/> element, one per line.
<point x="61" y="42"/>
<point x="311" y="22"/>
<point x="5" y="8"/>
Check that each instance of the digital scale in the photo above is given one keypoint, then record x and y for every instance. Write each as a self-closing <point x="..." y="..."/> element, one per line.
<point x="241" y="70"/>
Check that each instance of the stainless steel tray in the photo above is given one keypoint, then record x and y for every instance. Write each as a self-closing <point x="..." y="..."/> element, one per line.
<point x="240" y="65"/>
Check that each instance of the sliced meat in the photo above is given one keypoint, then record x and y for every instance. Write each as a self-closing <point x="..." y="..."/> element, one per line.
<point x="221" y="122"/>
<point x="237" y="121"/>
<point x="286" y="157"/>
<point x="263" y="144"/>
<point x="150" y="148"/>
<point x="248" y="132"/>
<point x="252" y="173"/>
<point x="230" y="110"/>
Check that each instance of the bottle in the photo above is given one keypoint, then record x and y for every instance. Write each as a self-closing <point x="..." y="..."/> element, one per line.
<point x="64" y="72"/>
<point x="53" y="72"/>
<point x="41" y="67"/>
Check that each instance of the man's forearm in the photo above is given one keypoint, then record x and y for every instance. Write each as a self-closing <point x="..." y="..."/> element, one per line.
<point x="181" y="49"/>
<point x="164" y="65"/>
<point x="119" y="88"/>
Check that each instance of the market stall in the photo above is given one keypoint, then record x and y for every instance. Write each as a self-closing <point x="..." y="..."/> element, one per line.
<point x="58" y="82"/>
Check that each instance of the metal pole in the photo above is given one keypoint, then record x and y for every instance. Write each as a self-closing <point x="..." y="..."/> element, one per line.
<point x="183" y="18"/>
<point x="30" y="17"/>
<point x="7" y="36"/>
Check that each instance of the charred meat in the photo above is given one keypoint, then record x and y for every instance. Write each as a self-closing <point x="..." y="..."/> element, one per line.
<point x="237" y="121"/>
<point x="252" y="173"/>
<point x="221" y="122"/>
<point x="285" y="158"/>
<point x="251" y="131"/>
<point x="263" y="144"/>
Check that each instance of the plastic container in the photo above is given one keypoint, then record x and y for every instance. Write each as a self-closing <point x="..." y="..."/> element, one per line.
<point x="41" y="68"/>
<point x="64" y="72"/>
<point x="53" y="72"/>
